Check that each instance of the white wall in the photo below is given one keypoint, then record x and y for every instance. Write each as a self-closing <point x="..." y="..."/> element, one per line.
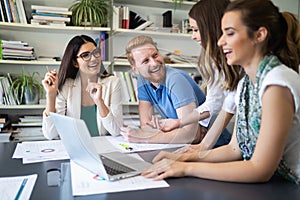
<point x="289" y="5"/>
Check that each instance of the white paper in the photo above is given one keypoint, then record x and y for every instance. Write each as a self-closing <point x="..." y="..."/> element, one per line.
<point x="120" y="144"/>
<point x="85" y="183"/>
<point x="40" y="151"/>
<point x="10" y="186"/>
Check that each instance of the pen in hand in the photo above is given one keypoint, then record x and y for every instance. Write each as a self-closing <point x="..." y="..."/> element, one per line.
<point x="50" y="82"/>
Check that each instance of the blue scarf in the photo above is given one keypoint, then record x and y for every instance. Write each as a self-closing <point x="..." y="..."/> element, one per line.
<point x="249" y="115"/>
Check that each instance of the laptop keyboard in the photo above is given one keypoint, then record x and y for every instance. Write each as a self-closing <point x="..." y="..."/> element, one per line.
<point x="114" y="168"/>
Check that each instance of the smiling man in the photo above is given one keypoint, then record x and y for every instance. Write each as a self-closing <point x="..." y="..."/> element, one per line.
<point x="172" y="92"/>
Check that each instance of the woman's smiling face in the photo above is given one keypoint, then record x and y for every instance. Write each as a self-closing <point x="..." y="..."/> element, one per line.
<point x="238" y="47"/>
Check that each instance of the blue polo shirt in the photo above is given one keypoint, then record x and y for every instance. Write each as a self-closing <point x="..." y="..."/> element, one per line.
<point x="178" y="89"/>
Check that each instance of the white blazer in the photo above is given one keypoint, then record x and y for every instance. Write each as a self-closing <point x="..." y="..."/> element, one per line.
<point x="68" y="102"/>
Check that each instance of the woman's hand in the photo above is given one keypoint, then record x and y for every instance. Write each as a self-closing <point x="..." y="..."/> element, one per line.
<point x="165" y="168"/>
<point x="50" y="83"/>
<point x="169" y="155"/>
<point x="95" y="91"/>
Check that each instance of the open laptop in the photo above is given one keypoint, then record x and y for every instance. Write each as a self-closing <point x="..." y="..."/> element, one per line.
<point x="80" y="147"/>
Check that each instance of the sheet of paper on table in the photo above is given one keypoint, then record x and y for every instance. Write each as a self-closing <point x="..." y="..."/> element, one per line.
<point x="86" y="183"/>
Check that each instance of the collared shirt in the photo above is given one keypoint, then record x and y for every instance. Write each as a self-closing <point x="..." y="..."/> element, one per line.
<point x="178" y="89"/>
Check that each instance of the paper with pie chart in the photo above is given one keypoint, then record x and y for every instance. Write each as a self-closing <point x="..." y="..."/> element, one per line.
<point x="39" y="151"/>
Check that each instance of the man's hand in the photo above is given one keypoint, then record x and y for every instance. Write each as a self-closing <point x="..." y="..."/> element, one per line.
<point x="140" y="135"/>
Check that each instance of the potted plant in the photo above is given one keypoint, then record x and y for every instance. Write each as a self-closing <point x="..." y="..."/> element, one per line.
<point x="90" y="12"/>
<point x="27" y="88"/>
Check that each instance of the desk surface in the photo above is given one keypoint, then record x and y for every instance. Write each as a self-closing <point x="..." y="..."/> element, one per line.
<point x="180" y="188"/>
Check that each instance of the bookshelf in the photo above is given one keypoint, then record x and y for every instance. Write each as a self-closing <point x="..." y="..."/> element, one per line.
<point x="51" y="40"/>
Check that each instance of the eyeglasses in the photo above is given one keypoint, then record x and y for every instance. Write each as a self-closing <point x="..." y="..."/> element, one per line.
<point x="86" y="56"/>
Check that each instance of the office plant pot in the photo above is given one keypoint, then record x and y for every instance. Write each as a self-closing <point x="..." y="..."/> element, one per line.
<point x="31" y="95"/>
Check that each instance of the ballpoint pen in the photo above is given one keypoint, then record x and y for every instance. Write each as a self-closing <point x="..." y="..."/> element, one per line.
<point x="21" y="188"/>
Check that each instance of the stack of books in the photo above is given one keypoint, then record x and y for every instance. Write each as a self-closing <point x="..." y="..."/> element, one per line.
<point x="48" y="15"/>
<point x="28" y="128"/>
<point x="16" y="50"/>
<point x="30" y="120"/>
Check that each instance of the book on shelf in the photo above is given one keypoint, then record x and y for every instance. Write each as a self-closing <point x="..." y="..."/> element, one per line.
<point x="31" y="118"/>
<point x="8" y="11"/>
<point x="8" y="97"/>
<point x="16" y="57"/>
<point x="27" y="124"/>
<point x="144" y="25"/>
<point x="51" y="18"/>
<point x="14" y="13"/>
<point x="16" y="47"/>
<point x="21" y="11"/>
<point x="116" y="18"/>
<point x="128" y="84"/>
<point x="124" y="87"/>
<point x="2" y="14"/>
<point x="2" y="101"/>
<point x="103" y="45"/>
<point x="50" y="9"/>
<point x="127" y="19"/>
<point x="16" y="52"/>
<point x="137" y="22"/>
<point x="120" y="17"/>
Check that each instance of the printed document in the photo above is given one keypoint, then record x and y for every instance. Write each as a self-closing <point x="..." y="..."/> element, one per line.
<point x="86" y="183"/>
<point x="18" y="187"/>
<point x="40" y="151"/>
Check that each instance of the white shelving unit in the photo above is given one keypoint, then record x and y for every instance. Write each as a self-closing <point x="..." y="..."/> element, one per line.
<point x="51" y="41"/>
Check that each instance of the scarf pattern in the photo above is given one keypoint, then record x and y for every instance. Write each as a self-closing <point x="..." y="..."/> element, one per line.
<point x="249" y="115"/>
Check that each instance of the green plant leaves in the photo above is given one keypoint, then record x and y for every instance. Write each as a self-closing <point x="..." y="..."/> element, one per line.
<point x="90" y="12"/>
<point x="19" y="83"/>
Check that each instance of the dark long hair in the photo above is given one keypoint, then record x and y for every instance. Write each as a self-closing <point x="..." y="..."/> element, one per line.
<point x="283" y="38"/>
<point x="67" y="67"/>
<point x="208" y="15"/>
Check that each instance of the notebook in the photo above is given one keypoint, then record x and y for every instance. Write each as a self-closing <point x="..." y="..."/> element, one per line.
<point x="77" y="140"/>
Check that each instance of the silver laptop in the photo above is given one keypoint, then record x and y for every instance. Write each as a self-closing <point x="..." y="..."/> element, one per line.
<point x="80" y="147"/>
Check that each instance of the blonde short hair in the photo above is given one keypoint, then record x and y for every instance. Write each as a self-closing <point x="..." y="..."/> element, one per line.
<point x="137" y="42"/>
